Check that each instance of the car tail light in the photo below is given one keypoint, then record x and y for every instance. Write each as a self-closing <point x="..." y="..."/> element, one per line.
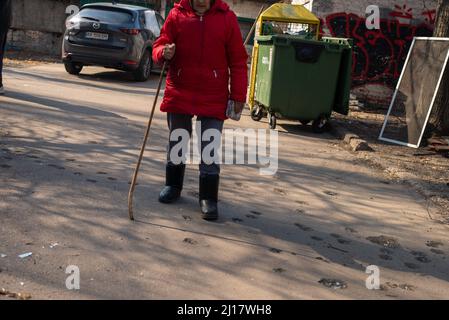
<point x="132" y="32"/>
<point x="130" y="62"/>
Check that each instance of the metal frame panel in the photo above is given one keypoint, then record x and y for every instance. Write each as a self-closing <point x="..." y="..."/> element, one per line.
<point x="397" y="89"/>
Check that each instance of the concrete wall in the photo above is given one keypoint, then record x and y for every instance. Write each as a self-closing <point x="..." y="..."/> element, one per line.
<point x="247" y="8"/>
<point x="38" y="25"/>
<point x="379" y="55"/>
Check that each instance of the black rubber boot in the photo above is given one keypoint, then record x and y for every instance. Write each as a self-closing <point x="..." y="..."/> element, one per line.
<point x="209" y="196"/>
<point x="174" y="178"/>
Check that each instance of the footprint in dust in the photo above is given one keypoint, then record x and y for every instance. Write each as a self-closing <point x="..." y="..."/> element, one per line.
<point x="404" y="286"/>
<point x="411" y="265"/>
<point x="423" y="259"/>
<point x="333" y="283"/>
<point x="56" y="166"/>
<point x="344" y="241"/>
<point x="257" y="213"/>
<point x="316" y="238"/>
<point x="5" y="166"/>
<point x="274" y="250"/>
<point x="280" y="191"/>
<point x="278" y="270"/>
<point x="303" y="227"/>
<point x="420" y="256"/>
<point x="190" y="241"/>
<point x="385" y="257"/>
<point x="251" y="216"/>
<point x="437" y="251"/>
<point x="91" y="180"/>
<point x="434" y="244"/>
<point x="384" y="241"/>
<point x="331" y="193"/>
<point x="193" y="194"/>
<point x="351" y="230"/>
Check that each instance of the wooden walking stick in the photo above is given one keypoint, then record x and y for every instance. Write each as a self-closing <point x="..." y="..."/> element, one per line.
<point x="142" y="150"/>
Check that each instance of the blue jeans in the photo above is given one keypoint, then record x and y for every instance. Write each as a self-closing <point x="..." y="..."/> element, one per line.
<point x="184" y="121"/>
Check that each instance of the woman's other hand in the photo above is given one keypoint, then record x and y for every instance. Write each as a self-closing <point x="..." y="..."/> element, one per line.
<point x="238" y="107"/>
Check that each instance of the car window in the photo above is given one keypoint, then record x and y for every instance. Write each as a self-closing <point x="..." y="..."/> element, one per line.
<point x="105" y="15"/>
<point x="160" y="21"/>
<point x="151" y="23"/>
<point x="142" y="18"/>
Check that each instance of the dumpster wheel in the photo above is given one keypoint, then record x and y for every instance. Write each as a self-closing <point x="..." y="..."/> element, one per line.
<point x="321" y="124"/>
<point x="272" y="121"/>
<point x="256" y="113"/>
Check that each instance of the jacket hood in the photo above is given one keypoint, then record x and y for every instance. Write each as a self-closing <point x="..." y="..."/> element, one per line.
<point x="217" y="5"/>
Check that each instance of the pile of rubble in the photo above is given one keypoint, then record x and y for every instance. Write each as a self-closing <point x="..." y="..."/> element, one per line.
<point x="439" y="144"/>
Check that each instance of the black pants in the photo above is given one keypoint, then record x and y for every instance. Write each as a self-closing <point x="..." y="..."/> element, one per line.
<point x="3" y="35"/>
<point x="184" y="122"/>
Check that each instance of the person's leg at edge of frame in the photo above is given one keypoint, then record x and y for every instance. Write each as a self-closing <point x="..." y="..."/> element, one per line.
<point x="174" y="173"/>
<point x="3" y="37"/>
<point x="209" y="173"/>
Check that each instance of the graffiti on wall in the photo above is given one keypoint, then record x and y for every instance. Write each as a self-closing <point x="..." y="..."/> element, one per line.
<point x="379" y="55"/>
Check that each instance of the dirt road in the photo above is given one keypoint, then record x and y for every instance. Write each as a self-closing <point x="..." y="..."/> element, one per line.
<point x="68" y="146"/>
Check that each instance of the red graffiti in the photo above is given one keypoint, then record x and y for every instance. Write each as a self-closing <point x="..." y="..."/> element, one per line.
<point x="379" y="55"/>
<point x="402" y="12"/>
<point x="429" y="16"/>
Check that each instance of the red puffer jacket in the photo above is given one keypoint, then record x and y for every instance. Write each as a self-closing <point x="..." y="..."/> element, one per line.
<point x="209" y="59"/>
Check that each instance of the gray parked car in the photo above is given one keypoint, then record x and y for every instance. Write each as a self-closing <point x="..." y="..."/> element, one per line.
<point x="111" y="35"/>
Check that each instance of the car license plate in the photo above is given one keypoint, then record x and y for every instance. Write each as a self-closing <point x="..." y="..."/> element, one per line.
<point x="97" y="36"/>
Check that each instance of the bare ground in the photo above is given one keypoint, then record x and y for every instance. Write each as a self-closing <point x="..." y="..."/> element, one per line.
<point x="423" y="168"/>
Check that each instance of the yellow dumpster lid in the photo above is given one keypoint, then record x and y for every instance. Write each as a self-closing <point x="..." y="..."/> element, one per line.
<point x="284" y="12"/>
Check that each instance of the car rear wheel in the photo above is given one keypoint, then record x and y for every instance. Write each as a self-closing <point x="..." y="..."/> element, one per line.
<point x="73" y="67"/>
<point x="146" y="64"/>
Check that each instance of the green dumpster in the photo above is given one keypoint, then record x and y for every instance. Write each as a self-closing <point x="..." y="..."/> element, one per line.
<point x="302" y="79"/>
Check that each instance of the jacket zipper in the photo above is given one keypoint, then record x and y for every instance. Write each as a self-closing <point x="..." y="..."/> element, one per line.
<point x="201" y="60"/>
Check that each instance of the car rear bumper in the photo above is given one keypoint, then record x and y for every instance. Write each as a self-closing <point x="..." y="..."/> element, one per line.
<point x="128" y="65"/>
<point x="111" y="58"/>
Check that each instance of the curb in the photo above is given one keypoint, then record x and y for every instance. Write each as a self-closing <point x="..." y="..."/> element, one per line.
<point x="350" y="140"/>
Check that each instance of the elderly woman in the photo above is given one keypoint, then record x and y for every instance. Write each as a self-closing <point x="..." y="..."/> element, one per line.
<point x="202" y="42"/>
